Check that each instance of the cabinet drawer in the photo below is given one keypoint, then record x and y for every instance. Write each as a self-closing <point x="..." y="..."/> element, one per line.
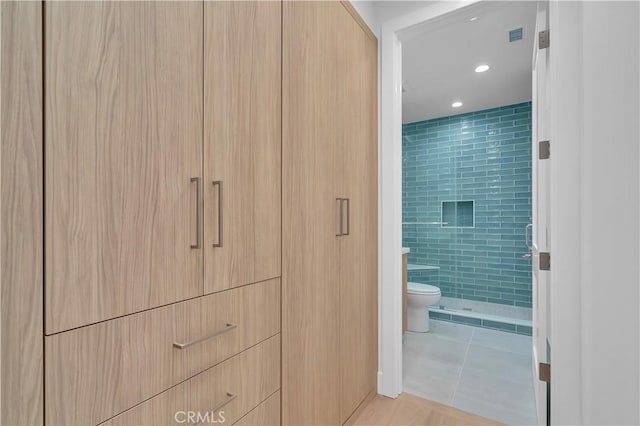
<point x="265" y="414"/>
<point x="224" y="393"/>
<point x="98" y="371"/>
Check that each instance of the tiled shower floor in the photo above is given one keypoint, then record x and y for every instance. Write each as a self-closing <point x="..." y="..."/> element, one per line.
<point x="485" y="372"/>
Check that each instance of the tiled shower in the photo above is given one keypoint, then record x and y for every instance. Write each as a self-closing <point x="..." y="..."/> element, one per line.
<point x="466" y="184"/>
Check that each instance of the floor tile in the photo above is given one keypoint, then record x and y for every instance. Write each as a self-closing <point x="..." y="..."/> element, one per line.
<point x="509" y="342"/>
<point x="499" y="390"/>
<point x="432" y="365"/>
<point x="433" y="380"/>
<point x="435" y="348"/>
<point x="501" y="363"/>
<point x="482" y="371"/>
<point x="450" y="330"/>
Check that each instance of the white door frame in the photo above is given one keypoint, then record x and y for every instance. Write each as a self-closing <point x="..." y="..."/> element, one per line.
<point x="565" y="124"/>
<point x="390" y="178"/>
<point x="540" y="209"/>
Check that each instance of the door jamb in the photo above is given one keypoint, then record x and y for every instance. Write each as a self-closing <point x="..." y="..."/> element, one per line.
<point x="390" y="199"/>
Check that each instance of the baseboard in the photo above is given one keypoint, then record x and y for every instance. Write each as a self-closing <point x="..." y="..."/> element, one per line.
<point x="383" y="390"/>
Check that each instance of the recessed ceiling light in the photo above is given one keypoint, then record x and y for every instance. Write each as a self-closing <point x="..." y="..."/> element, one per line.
<point x="482" y="68"/>
<point x="456" y="104"/>
<point x="475" y="18"/>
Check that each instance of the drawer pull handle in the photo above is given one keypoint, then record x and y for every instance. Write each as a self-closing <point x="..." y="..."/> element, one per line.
<point x="223" y="330"/>
<point x="230" y="397"/>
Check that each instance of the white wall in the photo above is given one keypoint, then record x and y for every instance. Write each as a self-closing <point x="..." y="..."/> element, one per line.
<point x="388" y="10"/>
<point x="595" y="254"/>
<point x="610" y="213"/>
<point x="375" y="13"/>
<point x="366" y="9"/>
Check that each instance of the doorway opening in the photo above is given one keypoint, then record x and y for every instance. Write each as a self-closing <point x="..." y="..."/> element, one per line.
<point x="466" y="206"/>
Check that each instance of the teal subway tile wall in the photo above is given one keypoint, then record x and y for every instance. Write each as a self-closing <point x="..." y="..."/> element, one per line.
<point x="482" y="159"/>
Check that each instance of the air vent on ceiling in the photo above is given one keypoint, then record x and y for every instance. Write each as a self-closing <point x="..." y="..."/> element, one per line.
<point x="515" y="35"/>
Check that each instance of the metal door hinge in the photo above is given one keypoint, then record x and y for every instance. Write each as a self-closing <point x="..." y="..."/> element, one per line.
<point x="545" y="261"/>
<point x="544" y="372"/>
<point x="543" y="39"/>
<point x="544" y="150"/>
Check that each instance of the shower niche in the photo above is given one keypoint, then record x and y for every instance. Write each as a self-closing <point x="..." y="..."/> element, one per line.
<point x="458" y="214"/>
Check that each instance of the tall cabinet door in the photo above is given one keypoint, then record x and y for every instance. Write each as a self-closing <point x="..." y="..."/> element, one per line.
<point x="123" y="146"/>
<point x="242" y="122"/>
<point x="311" y="168"/>
<point x="357" y="104"/>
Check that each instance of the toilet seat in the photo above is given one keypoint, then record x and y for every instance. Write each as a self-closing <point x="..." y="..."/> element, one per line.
<point x="419" y="288"/>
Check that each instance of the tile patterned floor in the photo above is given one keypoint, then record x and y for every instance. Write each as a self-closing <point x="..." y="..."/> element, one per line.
<point x="481" y="371"/>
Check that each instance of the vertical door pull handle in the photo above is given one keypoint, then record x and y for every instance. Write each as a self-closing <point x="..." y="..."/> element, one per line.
<point x="348" y="200"/>
<point x="198" y="217"/>
<point x="339" y="200"/>
<point x="220" y="242"/>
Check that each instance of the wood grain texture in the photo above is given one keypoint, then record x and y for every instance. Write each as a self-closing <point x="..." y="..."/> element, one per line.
<point x="265" y="414"/>
<point x="356" y="16"/>
<point x="252" y="375"/>
<point x="243" y="136"/>
<point x="357" y="98"/>
<point x="311" y="162"/>
<point x="123" y="138"/>
<point x="96" y="372"/>
<point x="409" y="409"/>
<point x="21" y="211"/>
<point x="405" y="295"/>
<point x="361" y="408"/>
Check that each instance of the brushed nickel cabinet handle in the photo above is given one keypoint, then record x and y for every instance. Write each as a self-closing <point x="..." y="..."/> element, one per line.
<point x="339" y="201"/>
<point x="230" y="397"/>
<point x="223" y="330"/>
<point x="220" y="242"/>
<point x="348" y="200"/>
<point x="198" y="217"/>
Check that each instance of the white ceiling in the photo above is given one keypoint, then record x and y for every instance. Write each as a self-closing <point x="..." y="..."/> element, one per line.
<point x="439" y="59"/>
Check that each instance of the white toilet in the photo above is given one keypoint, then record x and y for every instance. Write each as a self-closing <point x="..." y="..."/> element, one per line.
<point x="419" y="298"/>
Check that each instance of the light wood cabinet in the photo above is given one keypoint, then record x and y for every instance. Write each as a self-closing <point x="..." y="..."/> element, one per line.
<point x="329" y="213"/>
<point x="130" y="359"/>
<point x="163" y="185"/>
<point x="310" y="309"/>
<point x="242" y="143"/>
<point x="230" y="389"/>
<point x="152" y="208"/>
<point x="21" y="213"/>
<point x="265" y="414"/>
<point x="357" y="108"/>
<point x="135" y="168"/>
<point x="123" y="138"/>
